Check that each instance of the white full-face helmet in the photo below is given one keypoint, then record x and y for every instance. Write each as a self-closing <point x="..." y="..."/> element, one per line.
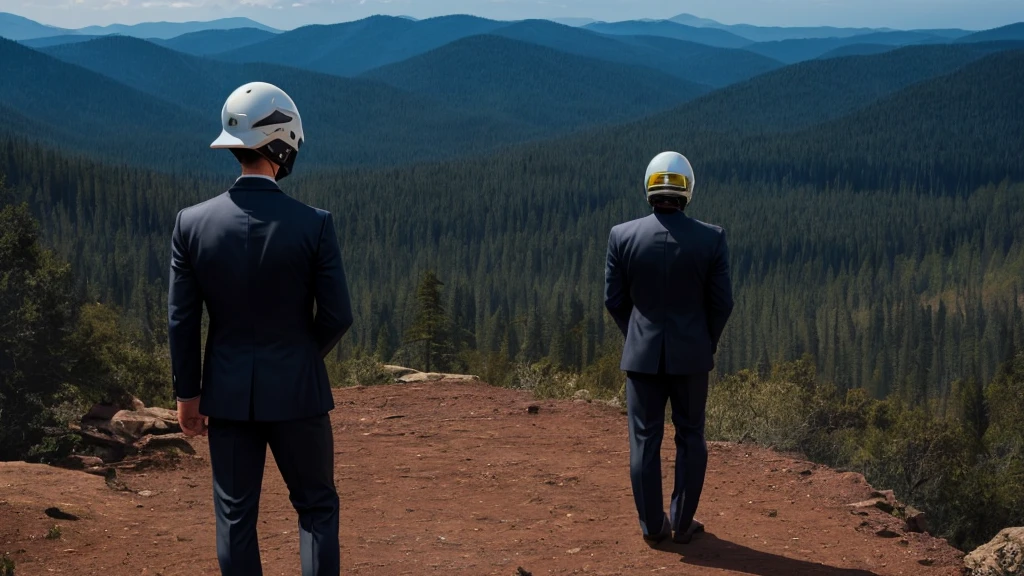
<point x="262" y="117"/>
<point x="669" y="174"/>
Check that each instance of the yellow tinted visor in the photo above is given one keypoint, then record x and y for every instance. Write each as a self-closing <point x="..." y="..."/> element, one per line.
<point x="660" y="180"/>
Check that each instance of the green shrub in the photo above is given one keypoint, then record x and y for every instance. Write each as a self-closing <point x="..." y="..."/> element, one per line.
<point x="6" y="566"/>
<point x="362" y="370"/>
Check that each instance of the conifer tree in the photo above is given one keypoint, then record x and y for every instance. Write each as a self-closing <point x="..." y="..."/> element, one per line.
<point x="431" y="329"/>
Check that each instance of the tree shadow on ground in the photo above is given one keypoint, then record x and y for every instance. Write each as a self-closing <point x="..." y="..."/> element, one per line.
<point x="709" y="551"/>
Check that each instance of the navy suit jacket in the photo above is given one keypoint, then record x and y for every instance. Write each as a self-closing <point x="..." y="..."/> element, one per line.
<point x="667" y="287"/>
<point x="258" y="260"/>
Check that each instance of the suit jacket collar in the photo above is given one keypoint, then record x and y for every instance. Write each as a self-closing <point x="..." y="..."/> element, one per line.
<point x="255" y="183"/>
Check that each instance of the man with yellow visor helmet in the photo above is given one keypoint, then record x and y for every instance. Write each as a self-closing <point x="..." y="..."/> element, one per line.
<point x="669" y="180"/>
<point x="667" y="288"/>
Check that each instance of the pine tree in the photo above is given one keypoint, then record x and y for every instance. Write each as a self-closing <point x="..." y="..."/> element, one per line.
<point x="431" y="329"/>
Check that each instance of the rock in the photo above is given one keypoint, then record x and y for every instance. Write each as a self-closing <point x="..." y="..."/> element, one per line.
<point x="113" y="448"/>
<point x="533" y="409"/>
<point x="885" y="506"/>
<point x="614" y="402"/>
<point x="582" y="396"/>
<point x="169" y="416"/>
<point x="166" y="442"/>
<point x="461" y="377"/>
<point x="79" y="462"/>
<point x="398" y="371"/>
<point x="100" y="471"/>
<point x="1002" y="556"/>
<point x="916" y="519"/>
<point x="886" y="533"/>
<point x="102" y="411"/>
<point x="889" y="496"/>
<point x="520" y="571"/>
<point x="137" y="404"/>
<point x="926" y="561"/>
<point x="864" y="504"/>
<point x="421" y="377"/>
<point x="136" y="424"/>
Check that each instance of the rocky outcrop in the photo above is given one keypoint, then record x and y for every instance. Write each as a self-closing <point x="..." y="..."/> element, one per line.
<point x="1003" y="556"/>
<point x="134" y="424"/>
<point x="403" y="375"/>
<point x="885" y="500"/>
<point x="111" y="433"/>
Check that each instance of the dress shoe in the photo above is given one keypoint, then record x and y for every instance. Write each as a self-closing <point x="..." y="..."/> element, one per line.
<point x="687" y="536"/>
<point x="665" y="533"/>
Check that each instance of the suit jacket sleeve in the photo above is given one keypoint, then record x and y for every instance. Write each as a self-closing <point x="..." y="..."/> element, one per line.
<point x="719" y="301"/>
<point x="184" y="319"/>
<point x="616" y="286"/>
<point x="333" y="307"/>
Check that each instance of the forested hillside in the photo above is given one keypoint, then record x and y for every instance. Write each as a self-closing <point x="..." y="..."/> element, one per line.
<point x="207" y="42"/>
<point x="536" y="85"/>
<point x="691" y="61"/>
<point x="351" y="48"/>
<point x="798" y="96"/>
<point x="880" y="252"/>
<point x="137" y="101"/>
<point x="669" y="29"/>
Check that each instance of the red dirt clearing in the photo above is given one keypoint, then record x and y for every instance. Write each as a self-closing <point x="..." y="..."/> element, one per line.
<point x="458" y="479"/>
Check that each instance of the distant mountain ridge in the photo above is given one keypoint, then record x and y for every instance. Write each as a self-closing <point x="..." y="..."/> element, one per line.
<point x="206" y="42"/>
<point x="776" y="33"/>
<point x="167" y="30"/>
<point x="802" y="95"/>
<point x="687" y="60"/>
<point x="354" y="48"/>
<point x="535" y="84"/>
<point x="1011" y="32"/>
<point x="710" y="36"/>
<point x="351" y="48"/>
<point x="14" y="27"/>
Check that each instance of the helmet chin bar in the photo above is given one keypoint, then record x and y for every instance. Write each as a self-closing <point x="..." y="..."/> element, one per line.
<point x="678" y="200"/>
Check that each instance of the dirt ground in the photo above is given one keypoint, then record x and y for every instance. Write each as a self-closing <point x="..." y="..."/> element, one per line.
<point x="459" y="479"/>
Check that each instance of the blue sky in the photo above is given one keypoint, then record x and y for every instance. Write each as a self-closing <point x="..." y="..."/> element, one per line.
<point x="971" y="14"/>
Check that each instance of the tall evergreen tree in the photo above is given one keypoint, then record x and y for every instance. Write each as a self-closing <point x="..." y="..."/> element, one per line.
<point x="430" y="331"/>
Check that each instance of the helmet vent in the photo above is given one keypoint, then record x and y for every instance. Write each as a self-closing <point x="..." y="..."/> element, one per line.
<point x="277" y="117"/>
<point x="232" y="122"/>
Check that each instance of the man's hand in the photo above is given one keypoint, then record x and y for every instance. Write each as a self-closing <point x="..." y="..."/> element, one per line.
<point x="192" y="422"/>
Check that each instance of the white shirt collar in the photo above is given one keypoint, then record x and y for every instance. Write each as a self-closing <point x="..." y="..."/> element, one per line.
<point x="256" y="176"/>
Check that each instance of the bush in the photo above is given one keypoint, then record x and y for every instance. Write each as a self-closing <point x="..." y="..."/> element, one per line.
<point x="745" y="407"/>
<point x="361" y="370"/>
<point x="6" y="566"/>
<point x="120" y="363"/>
<point x="56" y="356"/>
<point x="962" y="465"/>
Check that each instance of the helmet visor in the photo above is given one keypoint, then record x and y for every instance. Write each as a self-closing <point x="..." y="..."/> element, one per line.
<point x="669" y="180"/>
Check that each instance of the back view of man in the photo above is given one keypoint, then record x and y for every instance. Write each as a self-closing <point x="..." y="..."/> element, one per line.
<point x="259" y="261"/>
<point x="667" y="287"/>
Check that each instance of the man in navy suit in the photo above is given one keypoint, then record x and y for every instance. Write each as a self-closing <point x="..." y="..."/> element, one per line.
<point x="667" y="287"/>
<point x="259" y="261"/>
